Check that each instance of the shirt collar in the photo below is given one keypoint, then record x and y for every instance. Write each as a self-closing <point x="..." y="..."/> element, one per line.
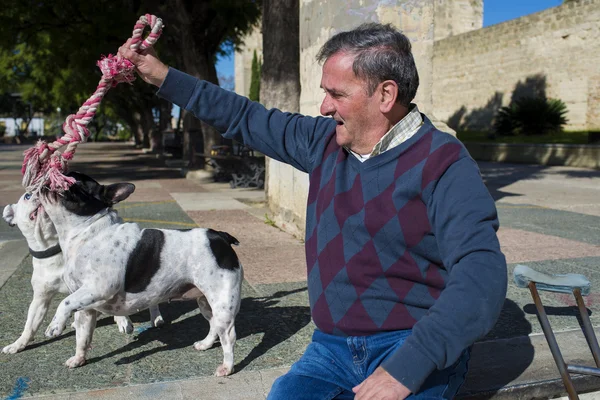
<point x="399" y="133"/>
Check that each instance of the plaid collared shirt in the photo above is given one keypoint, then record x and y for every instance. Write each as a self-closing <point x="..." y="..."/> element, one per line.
<point x="401" y="132"/>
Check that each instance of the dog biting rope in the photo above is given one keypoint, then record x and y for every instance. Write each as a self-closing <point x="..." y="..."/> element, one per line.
<point x="43" y="164"/>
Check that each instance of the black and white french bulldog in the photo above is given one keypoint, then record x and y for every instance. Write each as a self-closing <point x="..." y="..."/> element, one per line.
<point x="119" y="268"/>
<point x="47" y="279"/>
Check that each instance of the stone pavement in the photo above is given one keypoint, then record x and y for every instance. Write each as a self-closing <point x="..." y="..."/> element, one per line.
<point x="550" y="220"/>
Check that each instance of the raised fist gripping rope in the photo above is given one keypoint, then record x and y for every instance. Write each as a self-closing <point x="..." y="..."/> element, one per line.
<point x="43" y="164"/>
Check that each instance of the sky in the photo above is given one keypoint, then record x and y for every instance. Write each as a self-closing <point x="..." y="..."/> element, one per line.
<point x="494" y="12"/>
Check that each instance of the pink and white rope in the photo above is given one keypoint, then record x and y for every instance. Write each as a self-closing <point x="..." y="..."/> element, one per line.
<point x="43" y="164"/>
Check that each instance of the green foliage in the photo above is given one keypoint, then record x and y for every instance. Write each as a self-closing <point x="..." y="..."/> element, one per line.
<point x="254" y="93"/>
<point x="234" y="19"/>
<point x="531" y="116"/>
<point x="49" y="49"/>
<point x="124" y="134"/>
<point x="269" y="221"/>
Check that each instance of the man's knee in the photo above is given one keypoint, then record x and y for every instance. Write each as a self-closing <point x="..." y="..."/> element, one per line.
<point x="299" y="387"/>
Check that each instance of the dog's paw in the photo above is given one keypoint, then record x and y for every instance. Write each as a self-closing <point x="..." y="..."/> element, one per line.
<point x="203" y="345"/>
<point x="54" y="330"/>
<point x="75" y="361"/>
<point x="124" y="324"/>
<point x="223" y="370"/>
<point x="158" y="321"/>
<point x="14" y="347"/>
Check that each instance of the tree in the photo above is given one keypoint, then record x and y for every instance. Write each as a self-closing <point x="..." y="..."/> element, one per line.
<point x="280" y="75"/>
<point x="254" y="92"/>
<point x="199" y="30"/>
<point x="50" y="51"/>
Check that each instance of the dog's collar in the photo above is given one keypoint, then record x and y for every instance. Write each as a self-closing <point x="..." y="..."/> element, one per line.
<point x="52" y="251"/>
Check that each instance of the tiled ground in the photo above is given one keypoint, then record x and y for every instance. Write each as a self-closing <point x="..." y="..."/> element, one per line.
<point x="549" y="220"/>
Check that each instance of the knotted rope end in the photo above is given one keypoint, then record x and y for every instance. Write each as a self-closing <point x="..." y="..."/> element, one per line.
<point x="33" y="162"/>
<point x="43" y="165"/>
<point x="116" y="69"/>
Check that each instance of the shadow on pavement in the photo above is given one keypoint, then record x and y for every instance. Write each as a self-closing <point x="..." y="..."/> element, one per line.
<point x="136" y="169"/>
<point x="258" y="315"/>
<point x="497" y="175"/>
<point x="563" y="311"/>
<point x="494" y="363"/>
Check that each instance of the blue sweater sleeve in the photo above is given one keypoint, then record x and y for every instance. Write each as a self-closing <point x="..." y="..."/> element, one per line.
<point x="290" y="138"/>
<point x="464" y="220"/>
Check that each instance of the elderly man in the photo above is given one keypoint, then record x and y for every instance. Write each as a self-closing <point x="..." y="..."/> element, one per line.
<point x="404" y="267"/>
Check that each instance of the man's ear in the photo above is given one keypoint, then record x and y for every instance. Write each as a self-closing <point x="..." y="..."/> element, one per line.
<point x="9" y="214"/>
<point x="388" y="92"/>
<point x="117" y="192"/>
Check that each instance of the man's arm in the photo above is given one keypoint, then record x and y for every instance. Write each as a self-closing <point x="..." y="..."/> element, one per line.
<point x="290" y="138"/>
<point x="464" y="220"/>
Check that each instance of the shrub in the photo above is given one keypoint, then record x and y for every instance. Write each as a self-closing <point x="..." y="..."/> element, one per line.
<point x="531" y="116"/>
<point x="254" y="93"/>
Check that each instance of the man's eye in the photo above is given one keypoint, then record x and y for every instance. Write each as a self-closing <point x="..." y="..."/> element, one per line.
<point x="27" y="196"/>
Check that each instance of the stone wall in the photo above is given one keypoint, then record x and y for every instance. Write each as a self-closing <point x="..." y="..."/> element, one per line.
<point x="422" y="21"/>
<point x="555" y="51"/>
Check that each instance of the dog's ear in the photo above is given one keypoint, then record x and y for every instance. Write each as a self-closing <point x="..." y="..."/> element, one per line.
<point x="117" y="192"/>
<point x="9" y="214"/>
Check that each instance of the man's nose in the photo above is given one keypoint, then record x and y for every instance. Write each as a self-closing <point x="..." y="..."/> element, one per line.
<point x="327" y="107"/>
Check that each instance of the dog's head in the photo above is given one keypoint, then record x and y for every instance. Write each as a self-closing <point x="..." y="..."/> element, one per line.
<point x="85" y="197"/>
<point x="29" y="215"/>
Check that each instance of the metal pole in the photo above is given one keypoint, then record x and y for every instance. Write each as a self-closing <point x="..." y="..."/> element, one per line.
<point x="554" y="349"/>
<point x="582" y="369"/>
<point x="588" y="330"/>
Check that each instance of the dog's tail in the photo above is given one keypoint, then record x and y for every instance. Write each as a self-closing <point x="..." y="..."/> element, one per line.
<point x="228" y="238"/>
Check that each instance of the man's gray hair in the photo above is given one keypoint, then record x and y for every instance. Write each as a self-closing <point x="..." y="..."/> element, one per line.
<point x="382" y="53"/>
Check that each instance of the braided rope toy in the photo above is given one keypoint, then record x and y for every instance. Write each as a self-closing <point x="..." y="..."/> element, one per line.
<point x="43" y="165"/>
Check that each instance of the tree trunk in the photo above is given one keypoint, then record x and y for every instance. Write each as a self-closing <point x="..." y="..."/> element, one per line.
<point x="164" y="123"/>
<point x="280" y="77"/>
<point x="280" y="74"/>
<point x="198" y="60"/>
<point x="136" y="130"/>
<point x="199" y="137"/>
<point x="147" y="123"/>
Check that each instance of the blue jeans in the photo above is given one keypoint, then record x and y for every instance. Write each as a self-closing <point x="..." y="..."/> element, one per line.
<point x="332" y="365"/>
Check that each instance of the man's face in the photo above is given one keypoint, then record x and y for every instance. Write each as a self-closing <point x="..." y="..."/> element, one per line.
<point x="360" y="121"/>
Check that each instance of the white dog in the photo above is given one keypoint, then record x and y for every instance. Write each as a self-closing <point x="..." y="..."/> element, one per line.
<point x="119" y="268"/>
<point x="48" y="268"/>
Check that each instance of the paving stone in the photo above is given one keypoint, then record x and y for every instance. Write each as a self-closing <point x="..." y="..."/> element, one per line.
<point x="540" y="227"/>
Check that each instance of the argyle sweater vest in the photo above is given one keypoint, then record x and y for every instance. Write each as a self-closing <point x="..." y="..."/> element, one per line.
<point x="373" y="262"/>
<point x="406" y="239"/>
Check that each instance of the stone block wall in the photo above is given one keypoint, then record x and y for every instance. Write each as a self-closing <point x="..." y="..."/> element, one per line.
<point x="422" y="21"/>
<point x="556" y="52"/>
